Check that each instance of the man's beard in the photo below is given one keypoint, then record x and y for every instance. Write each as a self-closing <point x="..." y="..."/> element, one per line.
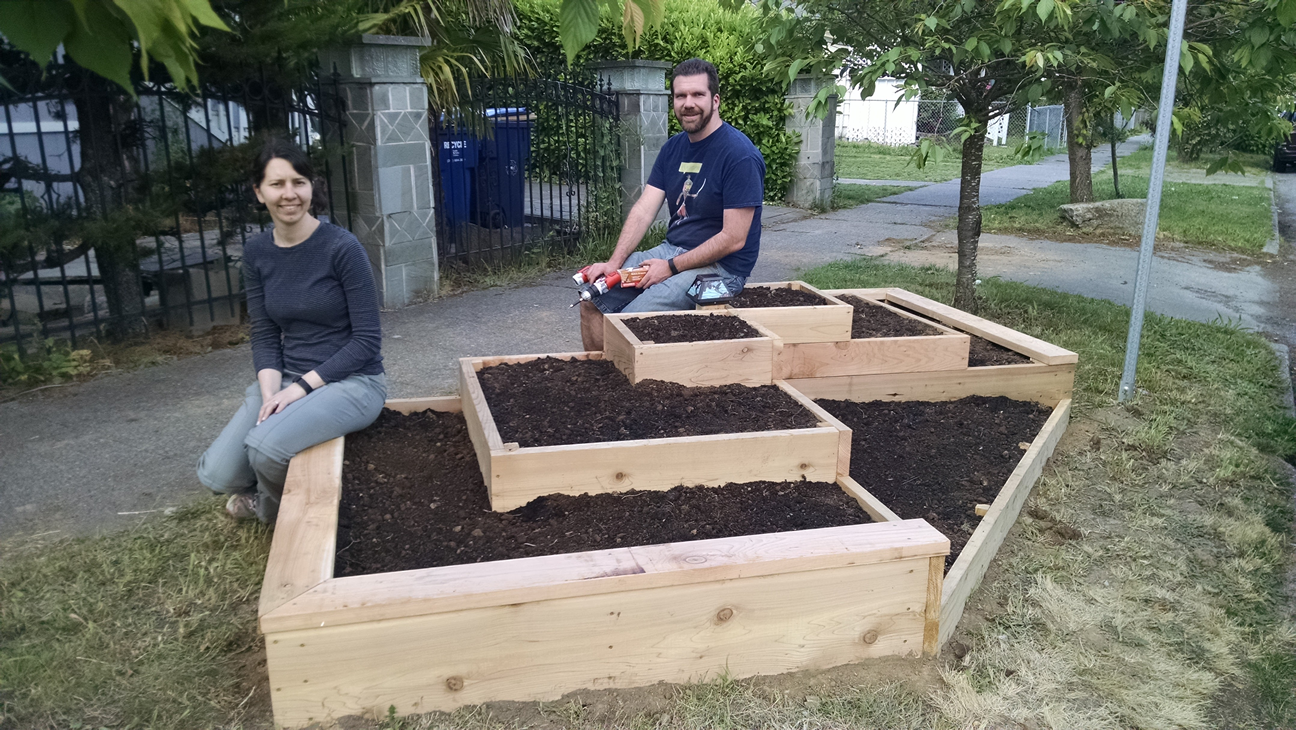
<point x="702" y="121"/>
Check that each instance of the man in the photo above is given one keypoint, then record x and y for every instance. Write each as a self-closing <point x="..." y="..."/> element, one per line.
<point x="713" y="179"/>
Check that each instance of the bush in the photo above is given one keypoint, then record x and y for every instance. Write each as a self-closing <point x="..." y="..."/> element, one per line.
<point x="751" y="100"/>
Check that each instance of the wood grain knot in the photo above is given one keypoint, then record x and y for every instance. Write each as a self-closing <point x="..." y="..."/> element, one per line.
<point x="454" y="684"/>
<point x="724" y="614"/>
<point x="870" y="636"/>
<point x="620" y="476"/>
<point x="803" y="467"/>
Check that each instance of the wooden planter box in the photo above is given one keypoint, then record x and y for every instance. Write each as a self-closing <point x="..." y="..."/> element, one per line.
<point x="536" y="628"/>
<point x="945" y="351"/>
<point x="827" y="322"/>
<point x="515" y="476"/>
<point x="714" y="362"/>
<point x="1048" y="387"/>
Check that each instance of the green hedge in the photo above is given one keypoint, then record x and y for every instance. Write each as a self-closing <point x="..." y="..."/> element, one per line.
<point x="751" y="100"/>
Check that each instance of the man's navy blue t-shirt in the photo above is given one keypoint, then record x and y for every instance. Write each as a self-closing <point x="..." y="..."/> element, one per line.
<point x="702" y="180"/>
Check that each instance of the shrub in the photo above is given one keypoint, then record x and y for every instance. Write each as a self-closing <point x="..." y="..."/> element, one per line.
<point x="752" y="100"/>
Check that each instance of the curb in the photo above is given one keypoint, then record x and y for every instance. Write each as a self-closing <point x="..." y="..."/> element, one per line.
<point x="1284" y="361"/>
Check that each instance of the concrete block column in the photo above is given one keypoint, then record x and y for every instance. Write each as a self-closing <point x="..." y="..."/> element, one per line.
<point x="390" y="169"/>
<point x="644" y="105"/>
<point x="812" y="179"/>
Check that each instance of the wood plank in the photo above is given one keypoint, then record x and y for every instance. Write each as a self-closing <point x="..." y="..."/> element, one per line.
<point x="932" y="611"/>
<point x="1045" y="384"/>
<point x="713" y="362"/>
<point x="844" y="431"/>
<point x="1036" y="348"/>
<point x="872" y="505"/>
<point x="829" y="322"/>
<point x="443" y="403"/>
<point x="874" y="295"/>
<point x="520" y="476"/>
<point x="972" y="562"/>
<point x="619" y="346"/>
<point x="305" y="538"/>
<point x="540" y="650"/>
<point x="481" y="426"/>
<point x="872" y="356"/>
<point x="386" y="596"/>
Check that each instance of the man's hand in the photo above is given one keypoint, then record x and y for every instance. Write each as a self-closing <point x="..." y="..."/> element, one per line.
<point x="279" y="401"/>
<point x="658" y="271"/>
<point x="597" y="270"/>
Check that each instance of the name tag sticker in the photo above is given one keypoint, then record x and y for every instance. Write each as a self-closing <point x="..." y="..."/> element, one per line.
<point x="690" y="167"/>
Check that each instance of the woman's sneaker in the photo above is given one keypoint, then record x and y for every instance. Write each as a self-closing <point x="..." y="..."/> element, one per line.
<point x="242" y="506"/>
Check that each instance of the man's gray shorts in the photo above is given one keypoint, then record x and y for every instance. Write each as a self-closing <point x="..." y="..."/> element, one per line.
<point x="670" y="295"/>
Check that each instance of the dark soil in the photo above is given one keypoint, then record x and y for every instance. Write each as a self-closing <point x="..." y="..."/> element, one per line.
<point x="875" y="320"/>
<point x="413" y="497"/>
<point x="754" y="297"/>
<point x="937" y="461"/>
<point x="549" y="402"/>
<point x="983" y="352"/>
<point x="665" y="328"/>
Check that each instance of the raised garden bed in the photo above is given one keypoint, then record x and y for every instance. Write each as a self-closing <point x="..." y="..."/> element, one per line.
<point x="516" y="474"/>
<point x="535" y="628"/>
<point x="1047" y="388"/>
<point x="884" y="340"/>
<point x="827" y="321"/>
<point x="705" y="360"/>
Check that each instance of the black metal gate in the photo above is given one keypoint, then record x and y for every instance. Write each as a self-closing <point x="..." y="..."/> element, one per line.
<point x="529" y="163"/>
<point x="121" y="215"/>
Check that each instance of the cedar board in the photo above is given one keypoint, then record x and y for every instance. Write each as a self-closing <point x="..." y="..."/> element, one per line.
<point x="715" y="362"/>
<point x="537" y="628"/>
<point x="515" y="476"/>
<point x="827" y="322"/>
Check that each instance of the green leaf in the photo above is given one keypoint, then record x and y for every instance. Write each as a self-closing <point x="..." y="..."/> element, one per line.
<point x="1215" y="166"/>
<point x="107" y="50"/>
<point x="203" y="13"/>
<point x="1286" y="12"/>
<point x="1186" y="61"/>
<point x="36" y="26"/>
<point x="984" y="49"/>
<point x="1044" y="9"/>
<point x="1258" y="35"/>
<point x="931" y="22"/>
<point x="577" y="25"/>
<point x="632" y="23"/>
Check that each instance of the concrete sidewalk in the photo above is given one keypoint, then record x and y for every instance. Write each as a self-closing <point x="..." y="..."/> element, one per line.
<point x="122" y="448"/>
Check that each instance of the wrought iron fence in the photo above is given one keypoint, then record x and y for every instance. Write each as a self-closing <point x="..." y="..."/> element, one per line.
<point x="121" y="215"/>
<point x="528" y="163"/>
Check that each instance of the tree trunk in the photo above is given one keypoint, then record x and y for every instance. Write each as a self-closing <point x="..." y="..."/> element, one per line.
<point x="121" y="284"/>
<point x="1115" y="172"/>
<point x="969" y="217"/>
<point x="1079" y="154"/>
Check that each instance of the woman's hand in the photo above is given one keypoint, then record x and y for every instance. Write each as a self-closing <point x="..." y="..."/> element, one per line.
<point x="280" y="401"/>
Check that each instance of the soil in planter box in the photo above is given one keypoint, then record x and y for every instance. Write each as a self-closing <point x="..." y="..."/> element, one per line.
<point x="413" y="497"/>
<point x="983" y="352"/>
<point x="763" y="296"/>
<point x="549" y="402"/>
<point x="666" y="328"/>
<point x="938" y="461"/>
<point x="874" y="320"/>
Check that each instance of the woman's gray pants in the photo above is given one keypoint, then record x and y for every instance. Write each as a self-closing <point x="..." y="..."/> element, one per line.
<point x="247" y="457"/>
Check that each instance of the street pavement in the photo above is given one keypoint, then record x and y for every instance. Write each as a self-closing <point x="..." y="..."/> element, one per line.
<point x="122" y="448"/>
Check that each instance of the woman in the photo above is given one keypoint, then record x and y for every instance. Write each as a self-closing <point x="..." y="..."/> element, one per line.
<point x="315" y="341"/>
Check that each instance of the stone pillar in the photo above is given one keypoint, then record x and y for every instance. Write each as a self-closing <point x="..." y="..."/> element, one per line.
<point x="812" y="178"/>
<point x="390" y="167"/>
<point x="644" y="104"/>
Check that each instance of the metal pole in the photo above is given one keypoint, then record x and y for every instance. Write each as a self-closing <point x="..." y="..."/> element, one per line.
<point x="1159" y="147"/>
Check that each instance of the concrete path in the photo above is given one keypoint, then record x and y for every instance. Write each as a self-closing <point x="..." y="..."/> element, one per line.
<point x="122" y="448"/>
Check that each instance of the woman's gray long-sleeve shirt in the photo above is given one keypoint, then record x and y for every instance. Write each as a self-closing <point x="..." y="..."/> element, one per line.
<point x="313" y="306"/>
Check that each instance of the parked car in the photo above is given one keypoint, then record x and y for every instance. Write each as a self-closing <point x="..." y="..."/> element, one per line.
<point x="1285" y="151"/>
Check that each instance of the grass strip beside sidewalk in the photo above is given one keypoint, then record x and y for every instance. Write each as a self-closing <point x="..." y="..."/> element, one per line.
<point x="849" y="195"/>
<point x="872" y="161"/>
<point x="1142" y="587"/>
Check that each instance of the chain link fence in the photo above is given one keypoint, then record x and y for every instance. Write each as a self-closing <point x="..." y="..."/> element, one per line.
<point x="905" y="122"/>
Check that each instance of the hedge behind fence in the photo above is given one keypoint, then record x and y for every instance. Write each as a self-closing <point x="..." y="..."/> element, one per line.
<point x="749" y="99"/>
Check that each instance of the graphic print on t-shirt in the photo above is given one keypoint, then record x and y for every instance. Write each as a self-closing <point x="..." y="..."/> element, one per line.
<point x="681" y="203"/>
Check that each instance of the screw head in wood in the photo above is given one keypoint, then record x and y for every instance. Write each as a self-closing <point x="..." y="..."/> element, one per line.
<point x="454" y="684"/>
<point x="724" y="614"/>
<point x="870" y="636"/>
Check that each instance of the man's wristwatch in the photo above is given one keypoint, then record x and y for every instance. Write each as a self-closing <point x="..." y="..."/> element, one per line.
<point x="304" y="385"/>
<point x="671" y="262"/>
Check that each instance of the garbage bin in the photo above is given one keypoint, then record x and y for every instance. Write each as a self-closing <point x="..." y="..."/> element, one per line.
<point x="458" y="160"/>
<point x="500" y="190"/>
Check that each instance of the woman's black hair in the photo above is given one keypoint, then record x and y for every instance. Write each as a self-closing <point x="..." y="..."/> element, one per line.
<point x="277" y="147"/>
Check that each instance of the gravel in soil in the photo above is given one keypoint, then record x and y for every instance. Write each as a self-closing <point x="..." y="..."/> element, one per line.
<point x="937" y="461"/>
<point x="413" y="497"/>
<point x="754" y="297"/>
<point x="667" y="328"/>
<point x="549" y="402"/>
<point x="875" y="320"/>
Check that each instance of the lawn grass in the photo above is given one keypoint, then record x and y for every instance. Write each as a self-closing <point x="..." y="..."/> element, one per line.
<point x="848" y="195"/>
<point x="1217" y="216"/>
<point x="872" y="161"/>
<point x="1165" y="614"/>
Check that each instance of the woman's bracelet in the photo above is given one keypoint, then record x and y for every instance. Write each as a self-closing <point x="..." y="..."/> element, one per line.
<point x="304" y="385"/>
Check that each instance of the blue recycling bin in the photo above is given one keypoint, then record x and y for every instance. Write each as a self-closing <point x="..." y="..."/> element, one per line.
<point x="459" y="157"/>
<point x="500" y="189"/>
